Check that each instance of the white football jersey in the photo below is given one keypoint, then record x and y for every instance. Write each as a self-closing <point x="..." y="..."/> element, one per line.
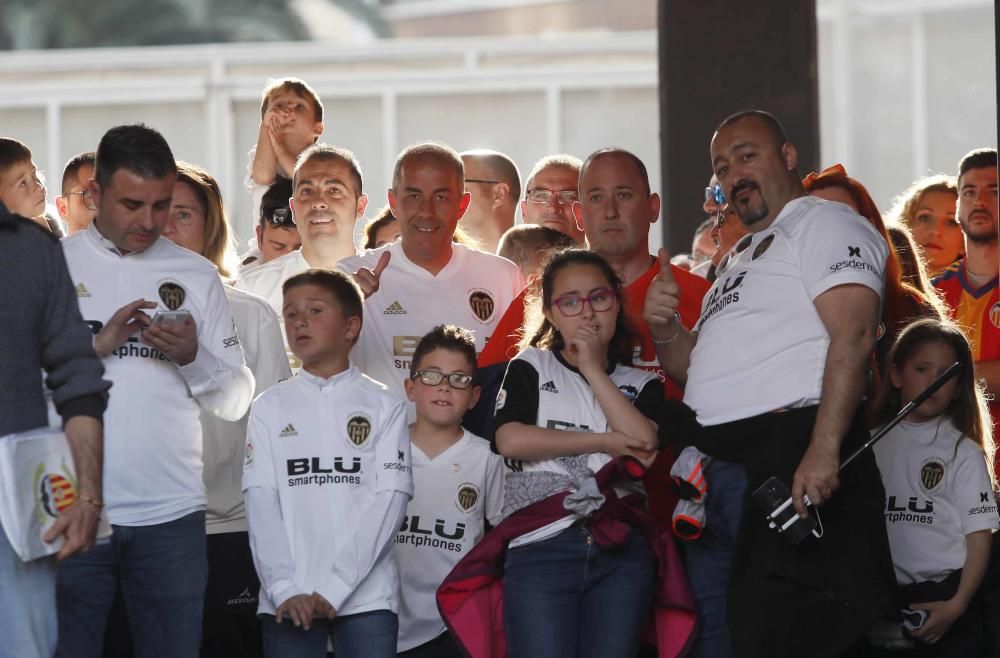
<point x="472" y="291"/>
<point x="327" y="447"/>
<point x="935" y="496"/>
<point x="152" y="432"/>
<point x="761" y="343"/>
<point x="453" y="494"/>
<point x="541" y="389"/>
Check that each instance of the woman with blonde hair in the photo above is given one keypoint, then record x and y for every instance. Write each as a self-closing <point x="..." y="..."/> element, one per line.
<point x="198" y="222"/>
<point x="927" y="208"/>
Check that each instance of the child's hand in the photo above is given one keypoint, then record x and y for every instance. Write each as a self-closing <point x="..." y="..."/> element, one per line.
<point x="299" y="609"/>
<point x="586" y="346"/>
<point x="617" y="444"/>
<point x="322" y="607"/>
<point x="942" y="615"/>
<point x="275" y="137"/>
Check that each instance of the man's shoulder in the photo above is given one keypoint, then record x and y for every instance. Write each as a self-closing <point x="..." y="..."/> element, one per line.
<point x="254" y="304"/>
<point x="265" y="273"/>
<point x="164" y="249"/>
<point x="483" y="258"/>
<point x="367" y="258"/>
<point x="25" y="229"/>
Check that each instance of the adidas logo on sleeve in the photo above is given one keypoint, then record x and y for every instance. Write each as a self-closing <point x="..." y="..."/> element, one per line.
<point x="394" y="308"/>
<point x="549" y="387"/>
<point x="81" y="290"/>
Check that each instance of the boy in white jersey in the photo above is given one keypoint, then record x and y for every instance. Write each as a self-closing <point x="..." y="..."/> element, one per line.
<point x="458" y="483"/>
<point x="326" y="479"/>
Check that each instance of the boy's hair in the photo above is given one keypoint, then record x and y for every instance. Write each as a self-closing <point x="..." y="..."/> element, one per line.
<point x="73" y="167"/>
<point x="218" y="245"/>
<point x="380" y="221"/>
<point x="12" y="152"/>
<point x="978" y="159"/>
<point x="343" y="288"/>
<point x="135" y="148"/>
<point x="530" y="246"/>
<point x="296" y="86"/>
<point x="968" y="410"/>
<point x="445" y="337"/>
<point x="440" y="152"/>
<point x="539" y="332"/>
<point x="327" y="153"/>
<point x="275" y="202"/>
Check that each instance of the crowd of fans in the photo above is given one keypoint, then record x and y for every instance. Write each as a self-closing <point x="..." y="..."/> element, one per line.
<point x="476" y="436"/>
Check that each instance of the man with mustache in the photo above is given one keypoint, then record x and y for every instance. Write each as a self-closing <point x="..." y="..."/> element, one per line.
<point x="970" y="286"/>
<point x="775" y="370"/>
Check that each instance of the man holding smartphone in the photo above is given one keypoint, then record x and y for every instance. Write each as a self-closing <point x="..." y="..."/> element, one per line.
<point x="166" y="369"/>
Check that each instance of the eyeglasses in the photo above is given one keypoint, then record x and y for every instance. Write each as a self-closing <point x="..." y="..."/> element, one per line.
<point x="564" y="198"/>
<point x="481" y="180"/>
<point x="572" y="305"/>
<point x="83" y="194"/>
<point x="714" y="192"/>
<point x="457" y="380"/>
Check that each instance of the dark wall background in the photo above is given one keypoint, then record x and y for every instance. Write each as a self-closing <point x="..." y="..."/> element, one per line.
<point x="718" y="57"/>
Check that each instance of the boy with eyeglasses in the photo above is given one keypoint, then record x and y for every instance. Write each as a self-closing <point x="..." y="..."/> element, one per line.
<point x="458" y="485"/>
<point x="327" y="479"/>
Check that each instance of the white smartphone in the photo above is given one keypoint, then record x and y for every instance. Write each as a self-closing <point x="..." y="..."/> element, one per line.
<point x="171" y="316"/>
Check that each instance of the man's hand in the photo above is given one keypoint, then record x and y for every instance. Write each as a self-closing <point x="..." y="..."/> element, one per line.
<point x="77" y="525"/>
<point x="662" y="300"/>
<point x="178" y="340"/>
<point x="299" y="608"/>
<point x="126" y="321"/>
<point x="368" y="279"/>
<point x="815" y="477"/>
<point x="942" y="615"/>
<point x="322" y="607"/>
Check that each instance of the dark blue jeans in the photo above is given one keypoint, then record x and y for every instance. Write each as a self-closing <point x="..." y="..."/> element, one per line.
<point x="162" y="569"/>
<point x="707" y="559"/>
<point x="567" y="596"/>
<point x="364" y="635"/>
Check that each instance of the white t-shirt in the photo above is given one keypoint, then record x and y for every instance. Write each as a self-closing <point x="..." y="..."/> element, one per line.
<point x="152" y="431"/>
<point x="453" y="493"/>
<point x="540" y="389"/>
<point x="327" y="449"/>
<point x="761" y="343"/>
<point x="935" y="496"/>
<point x="224" y="440"/>
<point x="472" y="291"/>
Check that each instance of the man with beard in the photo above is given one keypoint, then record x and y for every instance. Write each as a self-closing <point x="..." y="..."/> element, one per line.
<point x="775" y="370"/>
<point x="970" y="286"/>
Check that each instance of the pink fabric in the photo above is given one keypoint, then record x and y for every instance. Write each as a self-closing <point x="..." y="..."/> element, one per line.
<point x="470" y="599"/>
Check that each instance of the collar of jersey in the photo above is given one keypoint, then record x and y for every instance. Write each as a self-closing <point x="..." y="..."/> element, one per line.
<point x="559" y="357"/>
<point x="321" y="382"/>
<point x="453" y="265"/>
<point x="108" y="245"/>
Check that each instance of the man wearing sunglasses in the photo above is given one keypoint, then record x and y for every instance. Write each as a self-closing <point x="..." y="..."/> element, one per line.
<point x="276" y="233"/>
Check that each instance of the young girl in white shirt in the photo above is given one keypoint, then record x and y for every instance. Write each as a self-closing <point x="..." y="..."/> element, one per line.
<point x="941" y="508"/>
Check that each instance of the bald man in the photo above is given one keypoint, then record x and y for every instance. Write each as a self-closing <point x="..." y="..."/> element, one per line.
<point x="494" y="182"/>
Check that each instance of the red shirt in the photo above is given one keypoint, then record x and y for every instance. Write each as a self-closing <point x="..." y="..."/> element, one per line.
<point x="502" y="346"/>
<point x="977" y="311"/>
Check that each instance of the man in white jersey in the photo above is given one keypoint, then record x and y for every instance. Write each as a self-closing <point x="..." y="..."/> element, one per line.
<point x="166" y="370"/>
<point x="800" y="298"/>
<point x="424" y="279"/>
<point x="326" y="202"/>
